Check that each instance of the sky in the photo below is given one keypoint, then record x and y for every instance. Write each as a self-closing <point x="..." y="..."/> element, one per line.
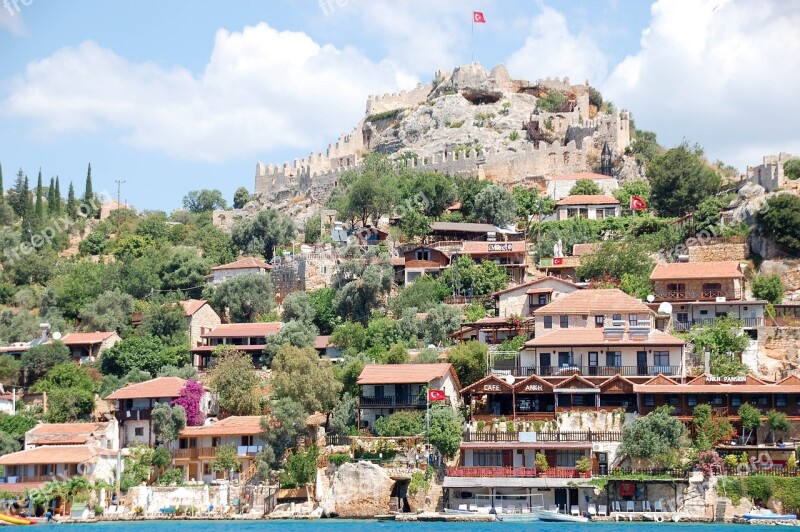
<point x="174" y="96"/>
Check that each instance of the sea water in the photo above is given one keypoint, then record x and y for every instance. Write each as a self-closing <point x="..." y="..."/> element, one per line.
<point x="341" y="525"/>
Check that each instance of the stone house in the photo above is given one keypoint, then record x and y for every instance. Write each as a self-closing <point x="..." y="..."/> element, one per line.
<point x="88" y="347"/>
<point x="523" y="299"/>
<point x="246" y="337"/>
<point x="703" y="281"/>
<point x="8" y="402"/>
<point x="591" y="309"/>
<point x="512" y="256"/>
<point x="388" y="388"/>
<point x="558" y="187"/>
<point x="134" y="405"/>
<point x="104" y="434"/>
<point x="197" y="447"/>
<point x="593" y="207"/>
<point x="243" y="266"/>
<point x="424" y="260"/>
<point x="200" y="319"/>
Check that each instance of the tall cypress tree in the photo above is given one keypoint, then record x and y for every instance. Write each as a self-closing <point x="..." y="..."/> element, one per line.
<point x="57" y="195"/>
<point x="51" y="197"/>
<point x="39" y="211"/>
<point x="72" y="204"/>
<point x="16" y="196"/>
<point x="28" y="221"/>
<point x="88" y="194"/>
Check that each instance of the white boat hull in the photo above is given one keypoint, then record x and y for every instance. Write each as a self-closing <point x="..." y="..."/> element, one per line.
<point x="557" y="517"/>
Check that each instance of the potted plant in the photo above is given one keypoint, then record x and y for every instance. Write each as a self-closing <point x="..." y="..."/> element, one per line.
<point x="541" y="464"/>
<point x="583" y="466"/>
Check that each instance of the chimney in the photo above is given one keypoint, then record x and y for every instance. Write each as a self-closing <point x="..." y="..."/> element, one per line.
<point x="44" y="330"/>
<point x="707" y="362"/>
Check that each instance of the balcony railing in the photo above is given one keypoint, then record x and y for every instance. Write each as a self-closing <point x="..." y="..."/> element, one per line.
<point x="196" y="453"/>
<point x="686" y="325"/>
<point x="592" y="371"/>
<point x="135" y="414"/>
<point x="573" y="436"/>
<point x="391" y="401"/>
<point x="710" y="294"/>
<point x="510" y="472"/>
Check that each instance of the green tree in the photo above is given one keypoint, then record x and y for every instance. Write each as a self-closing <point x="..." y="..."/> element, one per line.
<point x="88" y="193"/>
<point x="243" y="298"/>
<point x="442" y="320"/>
<point x="295" y="334"/>
<point x="429" y="192"/>
<point x="396" y="354"/>
<point x="708" y="214"/>
<point x="303" y="376"/>
<point x="638" y="187"/>
<point x="680" y="180"/>
<point x="777" y="422"/>
<point x="723" y="340"/>
<point x="184" y="270"/>
<point x="778" y="220"/>
<point x="111" y="311"/>
<point x="240" y="198"/>
<point x="362" y="284"/>
<point x="67" y="375"/>
<point x="226" y="459"/>
<point x="18" y="193"/>
<point x="414" y="225"/>
<point x="168" y="421"/>
<point x="469" y="362"/>
<point x="80" y="283"/>
<point x="298" y="306"/>
<point x="72" y="203"/>
<point x="466" y="277"/>
<point x="769" y="288"/>
<point x="261" y="233"/>
<point x="40" y="359"/>
<point x="751" y="420"/>
<point x="312" y="231"/>
<point x="57" y="198"/>
<point x="348" y="369"/>
<point x="615" y="259"/>
<point x="233" y="378"/>
<point x="137" y="352"/>
<point x="710" y="429"/>
<point x="165" y="322"/>
<point x="495" y="205"/>
<point x="301" y="468"/>
<point x="468" y="189"/>
<point x="530" y="202"/>
<point x="446" y="427"/>
<point x="285" y="424"/>
<point x="39" y="209"/>
<point x="2" y="190"/>
<point x="585" y="187"/>
<point x="324" y="313"/>
<point x="8" y="444"/>
<point x="474" y="311"/>
<point x="551" y="102"/>
<point x="69" y="404"/>
<point x="350" y="336"/>
<point x="403" y="423"/>
<point x="423" y="294"/>
<point x="657" y="437"/>
<point x="791" y="169"/>
<point x="345" y="414"/>
<point x="383" y="332"/>
<point x="9" y="371"/>
<point x="17" y="425"/>
<point x="204" y="200"/>
<point x="644" y="147"/>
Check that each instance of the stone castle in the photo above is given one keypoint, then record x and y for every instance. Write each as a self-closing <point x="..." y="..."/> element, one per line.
<point x="576" y="136"/>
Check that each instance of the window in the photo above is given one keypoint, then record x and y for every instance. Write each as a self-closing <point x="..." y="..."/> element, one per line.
<point x="691" y="400"/>
<point x="568" y="458"/>
<point x="564" y="359"/>
<point x="548" y="322"/>
<point x="676" y="290"/>
<point x="216" y="441"/>
<point x="712" y="289"/>
<point x="649" y="399"/>
<point x="572" y="213"/>
<point x="717" y="400"/>
<point x="423" y="254"/>
<point x="613" y="359"/>
<point x="563" y="321"/>
<point x="704" y="312"/>
<point x="616" y="317"/>
<point x="246" y="440"/>
<point x="593" y="358"/>
<point x="578" y="400"/>
<point x="736" y="400"/>
<point x="683" y="317"/>
<point x="633" y="319"/>
<point x="542" y="299"/>
<point x="487" y="458"/>
<point x="661" y="359"/>
<point x="599" y="320"/>
<point x="780" y="400"/>
<point x="138" y="431"/>
<point x="599" y="214"/>
<point x="673" y="400"/>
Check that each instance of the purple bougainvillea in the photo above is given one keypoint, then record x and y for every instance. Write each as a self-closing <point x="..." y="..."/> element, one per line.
<point x="190" y="397"/>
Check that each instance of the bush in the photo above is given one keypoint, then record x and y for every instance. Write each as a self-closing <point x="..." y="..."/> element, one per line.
<point x="779" y="220"/>
<point x="171" y="476"/>
<point x="768" y="287"/>
<point x="338" y="459"/>
<point x="404" y="423"/>
<point x="791" y="169"/>
<point x="418" y="483"/>
<point x="552" y="102"/>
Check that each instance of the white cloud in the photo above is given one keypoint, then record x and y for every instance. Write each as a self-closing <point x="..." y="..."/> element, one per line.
<point x="262" y="90"/>
<point x="551" y="50"/>
<point x="11" y="19"/>
<point x="720" y="73"/>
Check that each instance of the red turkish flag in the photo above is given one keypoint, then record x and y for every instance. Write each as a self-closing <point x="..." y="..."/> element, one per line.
<point x="557" y="261"/>
<point x="436" y="395"/>
<point x="638" y="204"/>
<point x="478" y="18"/>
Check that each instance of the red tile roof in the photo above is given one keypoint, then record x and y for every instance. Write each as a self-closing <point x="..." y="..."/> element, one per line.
<point x="246" y="262"/>
<point x="87" y="338"/>
<point x="230" y="426"/>
<point x="322" y="342"/>
<point x="701" y="385"/>
<point x="244" y="330"/>
<point x="595" y="301"/>
<point x="513" y="287"/>
<point x="404" y="373"/>
<point x="579" y="176"/>
<point x="578" y="250"/>
<point x="61" y="454"/>
<point x="594" y="337"/>
<point x="696" y="270"/>
<point x="190" y="306"/>
<point x="588" y="199"/>
<point x="158" y="387"/>
<point x="63" y="433"/>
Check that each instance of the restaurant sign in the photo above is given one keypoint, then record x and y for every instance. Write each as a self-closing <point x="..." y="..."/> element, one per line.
<point x="726" y="380"/>
<point x="501" y="247"/>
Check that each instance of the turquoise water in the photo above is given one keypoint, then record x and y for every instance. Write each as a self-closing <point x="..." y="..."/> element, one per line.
<point x="335" y="525"/>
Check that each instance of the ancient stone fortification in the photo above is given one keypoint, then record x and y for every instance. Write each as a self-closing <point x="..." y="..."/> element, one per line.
<point x="769" y="174"/>
<point x="715" y="252"/>
<point x="576" y="148"/>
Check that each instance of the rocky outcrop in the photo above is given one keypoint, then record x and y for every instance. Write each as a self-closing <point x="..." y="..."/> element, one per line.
<point x="362" y="489"/>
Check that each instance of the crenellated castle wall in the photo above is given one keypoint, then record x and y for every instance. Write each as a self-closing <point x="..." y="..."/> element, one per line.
<point x="399" y="100"/>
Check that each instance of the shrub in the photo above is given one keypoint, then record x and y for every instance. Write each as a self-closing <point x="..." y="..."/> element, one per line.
<point x="171" y="476"/>
<point x="768" y="287"/>
<point x="338" y="459"/>
<point x="418" y="483"/>
<point x="404" y="423"/>
<point x="791" y="169"/>
<point x="385" y="115"/>
<point x="541" y="462"/>
<point x="513" y="136"/>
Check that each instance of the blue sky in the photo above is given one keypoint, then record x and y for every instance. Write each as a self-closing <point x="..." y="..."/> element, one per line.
<point x="175" y="96"/>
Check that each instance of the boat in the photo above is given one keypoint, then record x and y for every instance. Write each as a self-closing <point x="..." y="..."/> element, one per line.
<point x="557" y="517"/>
<point x="763" y="513"/>
<point x="506" y="508"/>
<point x="16" y="520"/>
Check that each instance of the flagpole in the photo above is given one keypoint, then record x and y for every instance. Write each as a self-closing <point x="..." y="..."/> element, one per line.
<point x="472" y="40"/>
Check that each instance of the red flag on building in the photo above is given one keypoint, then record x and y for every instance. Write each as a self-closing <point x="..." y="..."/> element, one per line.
<point x="557" y="261"/>
<point x="638" y="204"/>
<point x="436" y="395"/>
<point x="478" y="18"/>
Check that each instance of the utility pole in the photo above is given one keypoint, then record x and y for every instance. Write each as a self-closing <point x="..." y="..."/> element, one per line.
<point x="119" y="186"/>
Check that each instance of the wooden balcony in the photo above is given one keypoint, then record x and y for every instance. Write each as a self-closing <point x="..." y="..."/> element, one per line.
<point x="201" y="453"/>
<point x="686" y="325"/>
<point x="135" y="414"/>
<point x="392" y="402"/>
<point x="697" y="295"/>
<point x="566" y="436"/>
<point x="590" y="371"/>
<point x="514" y="472"/>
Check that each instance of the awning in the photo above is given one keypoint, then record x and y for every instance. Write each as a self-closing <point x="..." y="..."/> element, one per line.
<point x="511" y="482"/>
<point x="576" y="390"/>
<point x="525" y="445"/>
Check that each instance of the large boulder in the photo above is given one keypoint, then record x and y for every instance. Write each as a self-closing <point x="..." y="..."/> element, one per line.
<point x="362" y="489"/>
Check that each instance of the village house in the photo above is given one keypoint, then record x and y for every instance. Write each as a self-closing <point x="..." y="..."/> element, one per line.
<point x="423" y="260"/>
<point x="134" y="405"/>
<point x="88" y="347"/>
<point x="197" y="447"/>
<point x="243" y="266"/>
<point x="8" y="401"/>
<point x="593" y="207"/>
<point x="461" y="231"/>
<point x="388" y="388"/>
<point x="104" y="434"/>
<point x="246" y="337"/>
<point x="200" y="319"/>
<point x="523" y="299"/>
<point x="558" y="187"/>
<point x="700" y="292"/>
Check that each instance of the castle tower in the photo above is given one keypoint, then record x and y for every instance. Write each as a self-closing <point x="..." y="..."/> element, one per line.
<point x="605" y="160"/>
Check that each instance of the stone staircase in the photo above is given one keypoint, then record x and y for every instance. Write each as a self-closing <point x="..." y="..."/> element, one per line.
<point x="719" y="511"/>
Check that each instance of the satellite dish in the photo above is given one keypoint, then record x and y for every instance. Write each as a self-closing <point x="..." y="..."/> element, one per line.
<point x="651" y="298"/>
<point x="510" y="380"/>
<point x="665" y="308"/>
<point x="56" y="335"/>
